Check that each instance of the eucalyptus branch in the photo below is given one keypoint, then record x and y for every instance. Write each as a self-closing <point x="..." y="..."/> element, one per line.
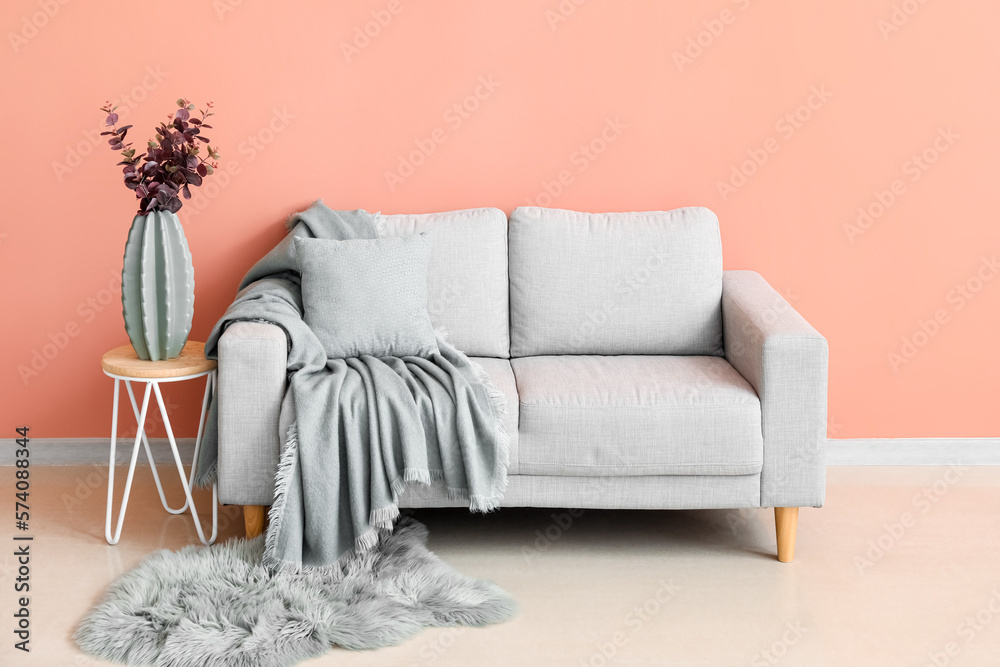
<point x="171" y="164"/>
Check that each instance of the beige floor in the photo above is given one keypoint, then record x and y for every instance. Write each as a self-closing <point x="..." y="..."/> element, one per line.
<point x="644" y="588"/>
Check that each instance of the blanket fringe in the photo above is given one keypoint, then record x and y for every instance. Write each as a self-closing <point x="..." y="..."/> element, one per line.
<point x="286" y="464"/>
<point x="206" y="479"/>
<point x="499" y="403"/>
<point x="425" y="477"/>
<point x="418" y="476"/>
<point x="367" y="541"/>
<point x="383" y="517"/>
<point x="282" y="479"/>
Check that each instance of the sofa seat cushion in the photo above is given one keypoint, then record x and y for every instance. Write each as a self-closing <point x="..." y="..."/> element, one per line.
<point x="636" y="415"/>
<point x="500" y="372"/>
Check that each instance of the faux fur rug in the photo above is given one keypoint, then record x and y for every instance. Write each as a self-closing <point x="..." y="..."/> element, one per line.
<point x="219" y="607"/>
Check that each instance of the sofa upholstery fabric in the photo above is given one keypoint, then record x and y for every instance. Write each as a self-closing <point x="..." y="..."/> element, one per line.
<point x="785" y="360"/>
<point x="677" y="492"/>
<point x="636" y="415"/>
<point x="252" y="381"/>
<point x="467" y="275"/>
<point x="615" y="283"/>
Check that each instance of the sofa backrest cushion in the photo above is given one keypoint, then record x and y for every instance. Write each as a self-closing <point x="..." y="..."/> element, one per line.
<point x="615" y="283"/>
<point x="467" y="275"/>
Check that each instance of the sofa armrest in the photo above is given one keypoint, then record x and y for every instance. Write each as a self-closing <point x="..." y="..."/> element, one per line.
<point x="252" y="359"/>
<point x="785" y="360"/>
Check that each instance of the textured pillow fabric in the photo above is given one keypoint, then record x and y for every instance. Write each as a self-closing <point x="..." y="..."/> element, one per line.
<point x="367" y="297"/>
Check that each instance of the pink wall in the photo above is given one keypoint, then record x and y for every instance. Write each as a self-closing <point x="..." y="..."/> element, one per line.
<point x="297" y="120"/>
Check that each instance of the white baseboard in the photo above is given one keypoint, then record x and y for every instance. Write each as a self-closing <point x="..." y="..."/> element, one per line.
<point x="913" y="451"/>
<point x="88" y="451"/>
<point x="840" y="452"/>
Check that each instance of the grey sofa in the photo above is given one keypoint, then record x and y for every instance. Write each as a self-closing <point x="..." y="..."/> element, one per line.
<point x="638" y="373"/>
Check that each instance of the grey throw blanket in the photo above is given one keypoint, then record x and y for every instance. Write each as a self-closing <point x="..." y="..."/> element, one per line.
<point x="356" y="431"/>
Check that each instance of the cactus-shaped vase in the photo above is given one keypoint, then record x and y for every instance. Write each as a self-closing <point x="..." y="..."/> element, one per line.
<point x="157" y="286"/>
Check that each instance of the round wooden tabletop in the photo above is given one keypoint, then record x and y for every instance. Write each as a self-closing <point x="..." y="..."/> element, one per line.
<point x="125" y="362"/>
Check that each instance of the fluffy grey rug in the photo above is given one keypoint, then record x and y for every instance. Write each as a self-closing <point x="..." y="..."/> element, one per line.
<point x="219" y="607"/>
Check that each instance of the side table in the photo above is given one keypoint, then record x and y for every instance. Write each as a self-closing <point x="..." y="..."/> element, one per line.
<point x="123" y="365"/>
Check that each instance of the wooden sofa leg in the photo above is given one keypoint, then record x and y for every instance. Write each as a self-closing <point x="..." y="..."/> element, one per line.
<point x="786" y="520"/>
<point x="253" y="519"/>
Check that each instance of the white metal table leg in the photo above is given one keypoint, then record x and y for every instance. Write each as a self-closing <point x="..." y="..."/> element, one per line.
<point x="149" y="455"/>
<point x="209" y="391"/>
<point x="113" y="539"/>
<point x="180" y="470"/>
